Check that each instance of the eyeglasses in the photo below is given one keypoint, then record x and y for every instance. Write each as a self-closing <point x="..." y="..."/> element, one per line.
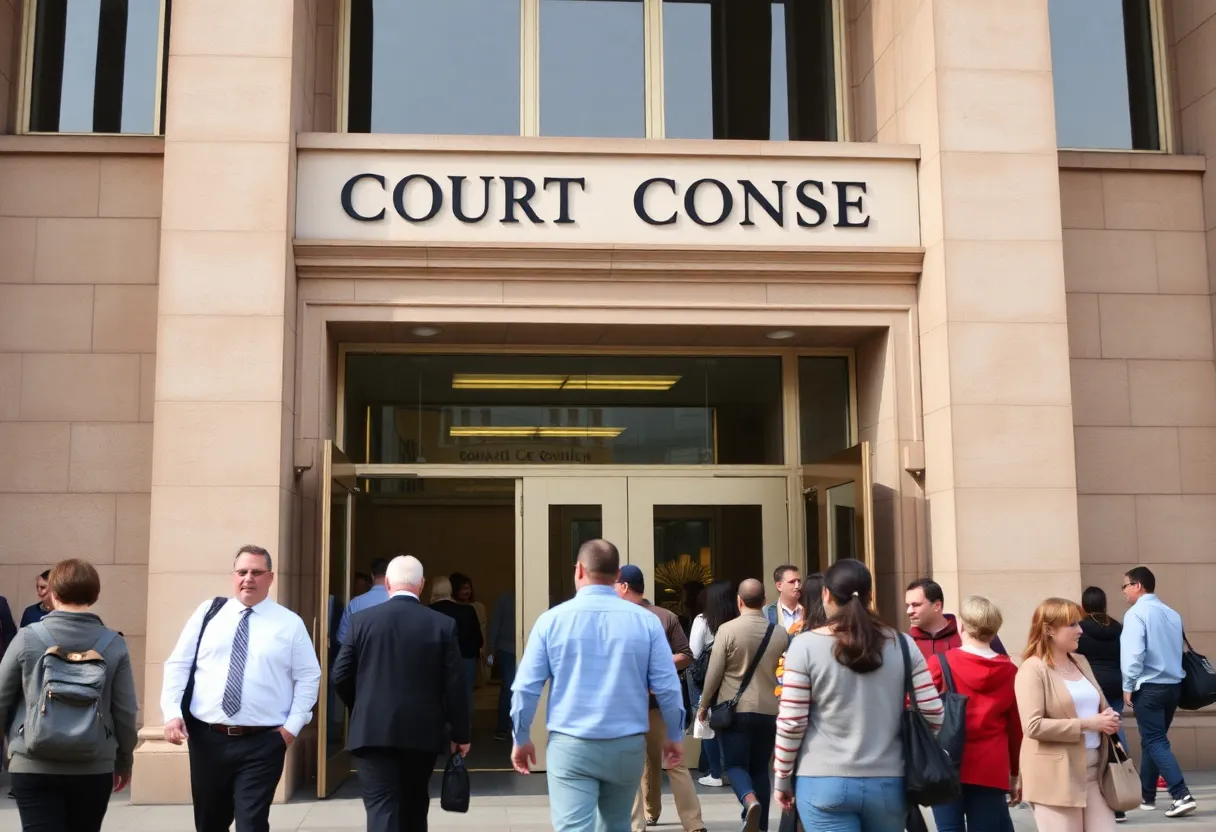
<point x="250" y="573"/>
<point x="1125" y="586"/>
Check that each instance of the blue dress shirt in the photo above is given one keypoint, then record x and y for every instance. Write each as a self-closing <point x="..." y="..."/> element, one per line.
<point x="378" y="594"/>
<point x="1150" y="648"/>
<point x="603" y="655"/>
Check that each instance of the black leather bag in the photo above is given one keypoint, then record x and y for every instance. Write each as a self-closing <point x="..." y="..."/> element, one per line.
<point x="700" y="666"/>
<point x="1199" y="681"/>
<point x="454" y="791"/>
<point x="722" y="715"/>
<point x="953" y="734"/>
<point x="930" y="778"/>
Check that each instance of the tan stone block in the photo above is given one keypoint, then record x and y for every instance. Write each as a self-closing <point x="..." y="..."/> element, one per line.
<point x="67" y="387"/>
<point x="1001" y="446"/>
<point x="223" y="273"/>
<point x="111" y="457"/>
<point x="939" y="451"/>
<point x="862" y="53"/>
<point x="1019" y="281"/>
<point x="1009" y="364"/>
<point x="1173" y="393"/>
<point x="45" y="528"/>
<point x="131" y="186"/>
<point x="17" y="238"/>
<point x="172" y="599"/>
<point x="865" y="115"/>
<point x="885" y="71"/>
<point x="1110" y="261"/>
<point x="1012" y="34"/>
<point x="131" y="528"/>
<point x="326" y="45"/>
<point x="122" y="601"/>
<point x="996" y="111"/>
<point x="1084" y="331"/>
<point x="223" y="98"/>
<point x="1017" y="593"/>
<point x="1100" y="392"/>
<point x="1153" y="200"/>
<point x="932" y="195"/>
<point x="226" y="186"/>
<point x="1030" y="527"/>
<point x="935" y="369"/>
<point x="1182" y="263"/>
<point x="1197" y="447"/>
<point x="1175" y="528"/>
<point x="1081" y="199"/>
<point x="124" y="319"/>
<point x="931" y="297"/>
<point x="1196" y="69"/>
<point x="1127" y="461"/>
<point x="943" y="533"/>
<point x="147" y="387"/>
<point x="34" y="456"/>
<point x="1194" y="602"/>
<point x="1165" y="326"/>
<point x="325" y="117"/>
<point x="46" y="318"/>
<point x="217" y="443"/>
<point x="10" y="387"/>
<point x="50" y="185"/>
<point x="1107" y="528"/>
<point x="232" y="27"/>
<point x="232" y="358"/>
<point x="917" y="45"/>
<point x="1205" y="747"/>
<point x="1000" y="196"/>
<point x="921" y="118"/>
<point x="96" y="251"/>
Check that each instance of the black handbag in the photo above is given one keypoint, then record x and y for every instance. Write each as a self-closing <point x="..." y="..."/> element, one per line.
<point x="930" y="778"/>
<point x="700" y="666"/>
<point x="722" y="715"/>
<point x="454" y="791"/>
<point x="1198" y="681"/>
<point x="953" y="734"/>
<point x="789" y="821"/>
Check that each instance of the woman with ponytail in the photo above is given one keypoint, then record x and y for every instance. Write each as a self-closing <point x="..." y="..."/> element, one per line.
<point x="839" y="754"/>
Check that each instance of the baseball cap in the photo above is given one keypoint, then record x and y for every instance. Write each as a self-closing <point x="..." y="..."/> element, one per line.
<point x="631" y="575"/>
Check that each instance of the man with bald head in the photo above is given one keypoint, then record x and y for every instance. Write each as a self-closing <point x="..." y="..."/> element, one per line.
<point x="748" y="643"/>
<point x="601" y="655"/>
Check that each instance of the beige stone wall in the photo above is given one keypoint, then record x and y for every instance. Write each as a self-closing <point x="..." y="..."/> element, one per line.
<point x="78" y="292"/>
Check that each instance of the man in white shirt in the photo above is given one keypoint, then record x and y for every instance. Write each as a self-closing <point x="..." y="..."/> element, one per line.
<point x="239" y="686"/>
<point x="787" y="609"/>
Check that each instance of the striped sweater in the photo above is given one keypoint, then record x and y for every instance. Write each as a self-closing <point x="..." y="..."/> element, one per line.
<point x="834" y="722"/>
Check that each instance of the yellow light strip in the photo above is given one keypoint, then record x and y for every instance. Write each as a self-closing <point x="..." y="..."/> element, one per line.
<point x="493" y="381"/>
<point x="521" y="431"/>
<point x="534" y="432"/>
<point x="472" y="381"/>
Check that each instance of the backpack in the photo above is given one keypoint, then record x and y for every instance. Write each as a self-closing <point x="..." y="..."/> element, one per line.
<point x="700" y="666"/>
<point x="66" y="722"/>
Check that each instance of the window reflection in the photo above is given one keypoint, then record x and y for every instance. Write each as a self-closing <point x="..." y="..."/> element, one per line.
<point x="702" y="544"/>
<point x="592" y="68"/>
<point x="434" y="66"/>
<point x="823" y="406"/>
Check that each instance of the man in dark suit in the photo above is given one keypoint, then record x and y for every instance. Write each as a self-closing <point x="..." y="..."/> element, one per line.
<point x="399" y="672"/>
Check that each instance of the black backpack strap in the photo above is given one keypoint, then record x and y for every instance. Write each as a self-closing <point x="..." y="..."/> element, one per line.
<point x="947" y="675"/>
<point x="751" y="668"/>
<point x="217" y="604"/>
<point x="909" y="690"/>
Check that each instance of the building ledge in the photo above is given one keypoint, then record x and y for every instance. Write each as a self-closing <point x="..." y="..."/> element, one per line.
<point x="1130" y="160"/>
<point x="84" y="144"/>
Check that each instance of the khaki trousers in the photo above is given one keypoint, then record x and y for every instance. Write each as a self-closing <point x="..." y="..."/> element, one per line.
<point x="651" y="792"/>
<point x="1095" y="817"/>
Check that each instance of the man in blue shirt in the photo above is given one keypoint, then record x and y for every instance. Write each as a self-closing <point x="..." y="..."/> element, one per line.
<point x="603" y="656"/>
<point x="378" y="594"/>
<point x="1150" y="656"/>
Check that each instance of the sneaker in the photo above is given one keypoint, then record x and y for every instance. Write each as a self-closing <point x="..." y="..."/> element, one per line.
<point x="1120" y="817"/>
<point x="751" y="818"/>
<point x="1148" y="807"/>
<point x="1181" y="807"/>
<point x="709" y="780"/>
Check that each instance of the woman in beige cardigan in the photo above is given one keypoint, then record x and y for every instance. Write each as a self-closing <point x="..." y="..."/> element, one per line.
<point x="1064" y="716"/>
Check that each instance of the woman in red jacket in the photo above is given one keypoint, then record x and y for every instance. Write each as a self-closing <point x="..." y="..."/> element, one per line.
<point x="994" y="733"/>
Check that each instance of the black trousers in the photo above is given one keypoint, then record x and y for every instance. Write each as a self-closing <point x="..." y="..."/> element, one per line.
<point x="396" y="788"/>
<point x="62" y="802"/>
<point x="234" y="777"/>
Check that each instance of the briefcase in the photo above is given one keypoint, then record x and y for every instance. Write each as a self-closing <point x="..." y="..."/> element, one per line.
<point x="454" y="791"/>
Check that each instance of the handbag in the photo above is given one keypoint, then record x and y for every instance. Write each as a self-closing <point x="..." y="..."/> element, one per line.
<point x="1119" y="783"/>
<point x="789" y="821"/>
<point x="953" y="734"/>
<point x="930" y="778"/>
<point x="1198" y="681"/>
<point x="722" y="714"/>
<point x="454" y="791"/>
<point x="700" y="666"/>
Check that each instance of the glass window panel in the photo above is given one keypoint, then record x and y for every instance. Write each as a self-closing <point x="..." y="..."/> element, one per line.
<point x="592" y="68"/>
<point x="569" y="528"/>
<point x="1102" y="70"/>
<point x="524" y="410"/>
<point x="823" y="406"/>
<point x="703" y="544"/>
<point x="95" y="66"/>
<point x="434" y="67"/>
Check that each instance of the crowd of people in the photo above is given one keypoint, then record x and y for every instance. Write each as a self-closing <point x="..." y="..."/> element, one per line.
<point x="799" y="701"/>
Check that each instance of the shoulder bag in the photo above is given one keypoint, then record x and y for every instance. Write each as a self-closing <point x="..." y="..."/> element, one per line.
<point x="930" y="778"/>
<point x="722" y="715"/>
<point x="217" y="604"/>
<point x="700" y="666"/>
<point x="1199" y="680"/>
<point x="1119" y="783"/>
<point x="953" y="734"/>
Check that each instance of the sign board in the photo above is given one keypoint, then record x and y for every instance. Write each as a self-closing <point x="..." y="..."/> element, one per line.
<point x="569" y="199"/>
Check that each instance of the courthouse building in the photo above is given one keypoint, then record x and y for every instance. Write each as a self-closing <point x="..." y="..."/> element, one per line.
<point x="731" y="283"/>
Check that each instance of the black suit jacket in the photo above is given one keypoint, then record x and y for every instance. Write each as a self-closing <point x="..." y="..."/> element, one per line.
<point x="400" y="674"/>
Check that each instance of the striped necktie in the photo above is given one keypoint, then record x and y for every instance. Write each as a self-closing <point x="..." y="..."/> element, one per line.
<point x="236" y="665"/>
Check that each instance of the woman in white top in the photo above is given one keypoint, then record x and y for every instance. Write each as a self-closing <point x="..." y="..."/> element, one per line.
<point x="720" y="607"/>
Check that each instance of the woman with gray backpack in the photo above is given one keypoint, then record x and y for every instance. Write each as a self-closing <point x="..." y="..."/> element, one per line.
<point x="68" y="683"/>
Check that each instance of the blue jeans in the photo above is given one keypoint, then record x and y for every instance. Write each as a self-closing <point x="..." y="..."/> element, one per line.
<point x="980" y="809"/>
<point x="1117" y="706"/>
<point x="506" y="673"/>
<point x="711" y="749"/>
<point x="1154" y="706"/>
<point x="851" y="804"/>
<point x="592" y="783"/>
<point x="747" y="749"/>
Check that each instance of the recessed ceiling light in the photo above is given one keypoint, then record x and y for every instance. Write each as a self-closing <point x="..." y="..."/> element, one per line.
<point x="781" y="335"/>
<point x="425" y="331"/>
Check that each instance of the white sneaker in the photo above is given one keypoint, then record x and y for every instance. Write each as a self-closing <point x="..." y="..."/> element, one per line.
<point x="1148" y="807"/>
<point x="1181" y="807"/>
<point x="707" y="780"/>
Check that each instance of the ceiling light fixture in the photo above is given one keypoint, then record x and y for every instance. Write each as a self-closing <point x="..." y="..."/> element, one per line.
<point x="534" y="432"/>
<point x="425" y="331"/>
<point x="781" y="335"/>
<point x="495" y="381"/>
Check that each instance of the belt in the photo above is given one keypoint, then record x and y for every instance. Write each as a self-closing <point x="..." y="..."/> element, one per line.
<point x="241" y="730"/>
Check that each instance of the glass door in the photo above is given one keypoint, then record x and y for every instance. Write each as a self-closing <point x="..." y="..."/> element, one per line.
<point x="839" y="504"/>
<point x="559" y="514"/>
<point x="337" y="504"/>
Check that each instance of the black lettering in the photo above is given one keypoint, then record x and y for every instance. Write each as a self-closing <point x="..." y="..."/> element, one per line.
<point x="348" y="191"/>
<point x="751" y="192"/>
<point x="690" y="202"/>
<point x="639" y="202"/>
<point x="399" y="197"/>
<point x="808" y="201"/>
<point x="521" y="201"/>
<point x="563" y="191"/>
<point x="842" y="197"/>
<point x="458" y="198"/>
